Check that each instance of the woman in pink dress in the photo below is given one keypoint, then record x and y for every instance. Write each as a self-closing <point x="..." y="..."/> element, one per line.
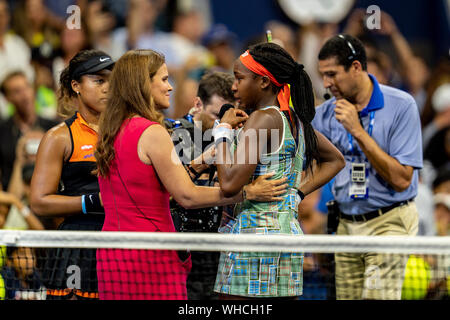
<point x="138" y="171"/>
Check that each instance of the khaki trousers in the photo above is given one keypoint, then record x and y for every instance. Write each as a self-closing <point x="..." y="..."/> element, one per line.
<point x="374" y="275"/>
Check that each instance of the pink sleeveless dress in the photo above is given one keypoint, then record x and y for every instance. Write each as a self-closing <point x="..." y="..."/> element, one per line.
<point x="135" y="200"/>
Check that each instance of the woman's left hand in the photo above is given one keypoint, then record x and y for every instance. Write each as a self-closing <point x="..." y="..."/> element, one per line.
<point x="235" y="117"/>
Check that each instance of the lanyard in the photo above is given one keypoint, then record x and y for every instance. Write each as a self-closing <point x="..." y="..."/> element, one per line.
<point x="350" y="137"/>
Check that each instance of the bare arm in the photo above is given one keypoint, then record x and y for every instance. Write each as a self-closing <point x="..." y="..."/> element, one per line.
<point x="331" y="162"/>
<point x="262" y="189"/>
<point x="173" y="175"/>
<point x="10" y="199"/>
<point x="392" y="171"/>
<point x="47" y="173"/>
<point x="236" y="174"/>
<point x="413" y="69"/>
<point x="401" y="45"/>
<point x="16" y="184"/>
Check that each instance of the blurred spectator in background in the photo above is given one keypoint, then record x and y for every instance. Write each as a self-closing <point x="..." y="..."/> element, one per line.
<point x="311" y="38"/>
<point x="411" y="68"/>
<point x="39" y="27"/>
<point x="21" y="277"/>
<point x="188" y="25"/>
<point x="436" y="154"/>
<point x="425" y="208"/>
<point x="72" y="42"/>
<point x="380" y="65"/>
<point x="220" y="56"/>
<point x="19" y="216"/>
<point x="26" y="151"/>
<point x="20" y="93"/>
<point x="439" y="286"/>
<point x="283" y="35"/>
<point x="221" y="44"/>
<point x="117" y="9"/>
<point x="181" y="44"/>
<point x="311" y="219"/>
<point x="177" y="46"/>
<point x="441" y="190"/>
<point x="101" y="24"/>
<point x="59" y="7"/>
<point x="440" y="101"/>
<point x="439" y="76"/>
<point x="184" y="55"/>
<point x="14" y="53"/>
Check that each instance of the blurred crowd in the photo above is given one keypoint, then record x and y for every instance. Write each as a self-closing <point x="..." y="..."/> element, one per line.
<point x="36" y="45"/>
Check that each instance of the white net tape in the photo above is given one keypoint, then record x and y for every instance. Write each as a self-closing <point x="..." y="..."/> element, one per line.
<point x="222" y="242"/>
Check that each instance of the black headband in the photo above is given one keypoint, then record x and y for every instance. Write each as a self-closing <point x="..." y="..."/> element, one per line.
<point x="93" y="65"/>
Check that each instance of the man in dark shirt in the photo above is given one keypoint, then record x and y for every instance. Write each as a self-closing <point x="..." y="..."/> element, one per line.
<point x="20" y="93"/>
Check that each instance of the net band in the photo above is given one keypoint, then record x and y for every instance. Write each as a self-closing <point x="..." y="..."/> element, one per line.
<point x="221" y="242"/>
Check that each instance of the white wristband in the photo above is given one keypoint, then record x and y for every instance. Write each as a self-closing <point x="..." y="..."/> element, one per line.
<point x="25" y="212"/>
<point x="223" y="132"/>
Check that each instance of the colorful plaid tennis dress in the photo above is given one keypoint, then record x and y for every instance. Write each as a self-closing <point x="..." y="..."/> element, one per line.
<point x="267" y="274"/>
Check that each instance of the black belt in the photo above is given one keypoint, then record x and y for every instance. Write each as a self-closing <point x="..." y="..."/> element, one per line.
<point x="373" y="214"/>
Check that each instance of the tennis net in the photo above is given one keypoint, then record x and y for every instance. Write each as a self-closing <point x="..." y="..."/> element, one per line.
<point x="46" y="265"/>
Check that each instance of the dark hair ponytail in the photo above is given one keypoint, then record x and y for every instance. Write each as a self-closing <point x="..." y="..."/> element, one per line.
<point x="286" y="70"/>
<point x="66" y="94"/>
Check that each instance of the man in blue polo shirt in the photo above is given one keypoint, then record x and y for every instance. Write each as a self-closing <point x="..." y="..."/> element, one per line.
<point x="377" y="129"/>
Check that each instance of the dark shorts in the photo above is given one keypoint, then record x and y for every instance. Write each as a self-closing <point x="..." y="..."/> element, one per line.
<point x="68" y="271"/>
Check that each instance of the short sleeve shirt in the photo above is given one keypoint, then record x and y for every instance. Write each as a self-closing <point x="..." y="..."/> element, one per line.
<point x="396" y="130"/>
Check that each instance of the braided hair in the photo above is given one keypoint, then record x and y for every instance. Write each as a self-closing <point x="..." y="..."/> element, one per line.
<point x="286" y="70"/>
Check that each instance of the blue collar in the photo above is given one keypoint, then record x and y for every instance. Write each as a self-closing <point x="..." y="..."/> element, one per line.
<point x="376" y="100"/>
